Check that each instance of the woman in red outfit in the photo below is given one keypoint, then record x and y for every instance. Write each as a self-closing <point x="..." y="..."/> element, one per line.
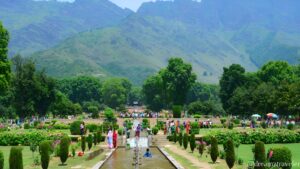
<point x="115" y="138"/>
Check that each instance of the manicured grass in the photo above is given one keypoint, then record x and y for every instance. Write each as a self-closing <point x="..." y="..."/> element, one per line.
<point x="80" y="162"/>
<point x="183" y="161"/>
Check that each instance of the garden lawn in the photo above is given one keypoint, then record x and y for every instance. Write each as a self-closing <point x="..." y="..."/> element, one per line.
<point x="79" y="162"/>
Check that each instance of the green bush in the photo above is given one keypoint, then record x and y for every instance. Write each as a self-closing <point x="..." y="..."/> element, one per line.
<point x="290" y="126"/>
<point x="145" y="123"/>
<point x="154" y="130"/>
<point x="1" y="160"/>
<point x="45" y="154"/>
<point x="73" y="150"/>
<point x="75" y="127"/>
<point x="98" y="137"/>
<point x="61" y="126"/>
<point x="176" y="111"/>
<point x="89" y="140"/>
<point x="236" y="121"/>
<point x="223" y="120"/>
<point x="15" y="158"/>
<point x="195" y="127"/>
<point x="214" y="150"/>
<point x="92" y="127"/>
<point x="263" y="124"/>
<point x="259" y="155"/>
<point x="19" y="137"/>
<point x="180" y="139"/>
<point x="57" y="151"/>
<point x="192" y="142"/>
<point x="230" y="126"/>
<point x="64" y="149"/>
<point x="95" y="139"/>
<point x="170" y="138"/>
<point x="240" y="161"/>
<point x="201" y="147"/>
<point x="185" y="140"/>
<point x="197" y="116"/>
<point x="282" y="158"/>
<point x="26" y="126"/>
<point x="83" y="144"/>
<point x="120" y="131"/>
<point x="174" y="137"/>
<point x="230" y="155"/>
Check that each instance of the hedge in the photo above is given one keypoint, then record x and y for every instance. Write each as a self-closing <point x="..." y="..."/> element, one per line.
<point x="15" y="158"/>
<point x="13" y="138"/>
<point x="1" y="160"/>
<point x="251" y="136"/>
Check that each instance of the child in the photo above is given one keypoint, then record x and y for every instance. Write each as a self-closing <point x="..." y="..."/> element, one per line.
<point x="148" y="154"/>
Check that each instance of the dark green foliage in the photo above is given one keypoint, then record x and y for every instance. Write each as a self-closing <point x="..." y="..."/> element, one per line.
<point x="155" y="130"/>
<point x="214" y="150"/>
<point x="89" y="140"/>
<point x="192" y="142"/>
<point x="95" y="138"/>
<point x="281" y="156"/>
<point x="75" y="127"/>
<point x="290" y="126"/>
<point x="180" y="138"/>
<point x="83" y="143"/>
<point x="1" y="160"/>
<point x="259" y="155"/>
<point x="15" y="158"/>
<point x="263" y="124"/>
<point x="98" y="136"/>
<point x="45" y="154"/>
<point x="4" y="62"/>
<point x="177" y="111"/>
<point x="64" y="149"/>
<point x="185" y="141"/>
<point x="201" y="148"/>
<point x="63" y="106"/>
<point x="230" y="154"/>
<point x="91" y="127"/>
<point x="222" y="154"/>
<point x="175" y="137"/>
<point x="153" y="93"/>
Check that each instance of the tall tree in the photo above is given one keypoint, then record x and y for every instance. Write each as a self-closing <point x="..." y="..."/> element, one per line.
<point x="232" y="78"/>
<point x="153" y="92"/>
<point x="178" y="79"/>
<point x="5" y="71"/>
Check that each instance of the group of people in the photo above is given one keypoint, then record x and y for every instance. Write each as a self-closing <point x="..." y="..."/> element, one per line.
<point x="112" y="137"/>
<point x="135" y="115"/>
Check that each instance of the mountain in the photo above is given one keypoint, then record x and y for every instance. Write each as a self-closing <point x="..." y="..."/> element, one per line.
<point x="209" y="34"/>
<point x="39" y="25"/>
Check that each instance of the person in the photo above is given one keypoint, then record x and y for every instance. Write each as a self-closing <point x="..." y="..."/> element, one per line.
<point x="109" y="139"/>
<point x="82" y="128"/>
<point x="138" y="130"/>
<point x="115" y="138"/>
<point x="148" y="153"/>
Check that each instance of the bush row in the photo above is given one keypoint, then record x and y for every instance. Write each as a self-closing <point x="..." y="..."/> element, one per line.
<point x="26" y="137"/>
<point x="250" y="137"/>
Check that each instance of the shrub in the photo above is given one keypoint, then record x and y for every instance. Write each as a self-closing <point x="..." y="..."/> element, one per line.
<point x="180" y="138"/>
<point x="89" y="140"/>
<point x="263" y="124"/>
<point x="154" y="130"/>
<point x="145" y="123"/>
<point x="45" y="154"/>
<point x="230" y="155"/>
<point x="92" y="127"/>
<point x="230" y="126"/>
<point x="195" y="127"/>
<point x="192" y="142"/>
<point x="282" y="158"/>
<point x="236" y="121"/>
<point x="259" y="155"/>
<point x="95" y="138"/>
<point x="240" y="161"/>
<point x="26" y="126"/>
<point x="75" y="127"/>
<point x="57" y="151"/>
<point x="60" y="126"/>
<point x="170" y="138"/>
<point x="197" y="116"/>
<point x="83" y="144"/>
<point x="201" y="147"/>
<point x="98" y="136"/>
<point x="15" y="158"/>
<point x="73" y="149"/>
<point x="177" y="111"/>
<point x="214" y="152"/>
<point x="1" y="160"/>
<point x="223" y="120"/>
<point x="290" y="126"/>
<point x="120" y="131"/>
<point x="64" y="149"/>
<point x="185" y="140"/>
<point x="175" y="137"/>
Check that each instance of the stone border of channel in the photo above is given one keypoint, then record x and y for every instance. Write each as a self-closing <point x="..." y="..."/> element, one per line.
<point x="100" y="163"/>
<point x="170" y="158"/>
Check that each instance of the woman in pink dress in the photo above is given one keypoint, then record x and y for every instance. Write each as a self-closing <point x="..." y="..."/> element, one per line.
<point x="109" y="139"/>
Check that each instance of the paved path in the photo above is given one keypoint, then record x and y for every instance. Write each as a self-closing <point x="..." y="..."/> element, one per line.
<point x="175" y="149"/>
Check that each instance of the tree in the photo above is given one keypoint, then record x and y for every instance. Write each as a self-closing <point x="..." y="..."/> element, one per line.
<point x="259" y="155"/>
<point x="15" y="158"/>
<point x="63" y="106"/>
<point x="180" y="139"/>
<point x="109" y="115"/>
<point x="185" y="140"/>
<point x="94" y="111"/>
<point x="230" y="155"/>
<point x="176" y="109"/>
<point x="83" y="144"/>
<point x="115" y="92"/>
<point x="276" y="71"/>
<point x="90" y="141"/>
<point x="5" y="71"/>
<point x="214" y="150"/>
<point x="135" y="95"/>
<point x="241" y="102"/>
<point x="45" y="154"/>
<point x="153" y="93"/>
<point x="64" y="149"/>
<point x="81" y="89"/>
<point x="232" y="78"/>
<point x="263" y="98"/>
<point x="175" y="137"/>
<point x="1" y="160"/>
<point x="202" y="92"/>
<point x="178" y="79"/>
<point x="192" y="142"/>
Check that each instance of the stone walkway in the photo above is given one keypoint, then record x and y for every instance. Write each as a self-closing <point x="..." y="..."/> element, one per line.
<point x="175" y="149"/>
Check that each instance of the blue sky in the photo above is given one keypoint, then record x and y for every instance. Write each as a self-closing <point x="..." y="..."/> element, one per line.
<point x="131" y="4"/>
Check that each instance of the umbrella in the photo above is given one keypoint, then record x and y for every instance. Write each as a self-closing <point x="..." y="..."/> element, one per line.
<point x="272" y="115"/>
<point x="256" y="115"/>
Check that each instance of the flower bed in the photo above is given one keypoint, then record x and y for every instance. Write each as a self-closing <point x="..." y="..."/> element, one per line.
<point x="251" y="136"/>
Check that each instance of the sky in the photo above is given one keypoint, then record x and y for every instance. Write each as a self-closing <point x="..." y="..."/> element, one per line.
<point x="131" y="4"/>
